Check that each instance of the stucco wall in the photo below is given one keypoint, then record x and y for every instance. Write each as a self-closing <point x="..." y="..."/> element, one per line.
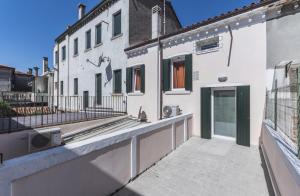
<point x="283" y="165"/>
<point x="78" y="67"/>
<point x="247" y="67"/>
<point x="283" y="41"/>
<point x="99" y="173"/>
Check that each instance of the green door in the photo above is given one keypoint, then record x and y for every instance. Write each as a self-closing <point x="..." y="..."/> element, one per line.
<point x="98" y="89"/>
<point x="206" y="113"/>
<point x="243" y="115"/>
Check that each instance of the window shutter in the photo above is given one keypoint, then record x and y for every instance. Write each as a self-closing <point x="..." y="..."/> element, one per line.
<point x="118" y="81"/>
<point x="166" y="74"/>
<point x="243" y="115"/>
<point x="206" y="113"/>
<point x="143" y="78"/>
<point x="189" y="72"/>
<point x="129" y="80"/>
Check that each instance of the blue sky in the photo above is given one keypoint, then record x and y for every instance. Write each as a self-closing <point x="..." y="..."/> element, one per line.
<point x="28" y="28"/>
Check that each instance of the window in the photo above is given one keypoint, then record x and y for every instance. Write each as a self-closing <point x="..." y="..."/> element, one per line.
<point x="63" y="53"/>
<point x="88" y="40"/>
<point x="117" y="24"/>
<point x="178" y="75"/>
<point x="98" y="34"/>
<point x="118" y="81"/>
<point x="208" y="44"/>
<point x="135" y="79"/>
<point x="75" y="46"/>
<point x="56" y="57"/>
<point x="75" y="86"/>
<point x="61" y="87"/>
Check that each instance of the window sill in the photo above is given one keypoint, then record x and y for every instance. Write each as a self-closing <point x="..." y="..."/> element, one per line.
<point x="117" y="94"/>
<point x="87" y="50"/>
<point x="136" y="94"/>
<point x="117" y="36"/>
<point x="97" y="45"/>
<point x="178" y="92"/>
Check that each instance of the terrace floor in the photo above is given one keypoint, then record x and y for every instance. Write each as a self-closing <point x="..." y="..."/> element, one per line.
<point x="205" y="167"/>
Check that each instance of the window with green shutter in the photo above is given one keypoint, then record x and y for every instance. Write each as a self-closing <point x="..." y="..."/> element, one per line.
<point x="117" y="24"/>
<point x="143" y="78"/>
<point x="98" y="34"/>
<point x="118" y="81"/>
<point x="75" y="86"/>
<point x="129" y="71"/>
<point x="75" y="47"/>
<point x="61" y="87"/>
<point x="63" y="53"/>
<point x="189" y="72"/>
<point x="167" y="75"/>
<point x="88" y="38"/>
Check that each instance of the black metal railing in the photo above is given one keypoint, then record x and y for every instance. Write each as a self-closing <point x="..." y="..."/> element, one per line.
<point x="19" y="112"/>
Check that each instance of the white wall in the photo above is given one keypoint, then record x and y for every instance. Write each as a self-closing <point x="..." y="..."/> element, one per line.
<point x="113" y="48"/>
<point x="248" y="67"/>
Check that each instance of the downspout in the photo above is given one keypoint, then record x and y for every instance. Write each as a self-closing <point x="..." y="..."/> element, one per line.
<point x="160" y="48"/>
<point x="68" y="66"/>
<point x="58" y="83"/>
<point x="231" y="43"/>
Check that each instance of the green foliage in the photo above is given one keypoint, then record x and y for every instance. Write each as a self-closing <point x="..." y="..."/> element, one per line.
<point x="4" y="109"/>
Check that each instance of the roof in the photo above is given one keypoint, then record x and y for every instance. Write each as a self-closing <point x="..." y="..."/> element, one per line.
<point x="23" y="74"/>
<point x="6" y="67"/>
<point x="93" y="13"/>
<point x="208" y="21"/>
<point x="98" y="9"/>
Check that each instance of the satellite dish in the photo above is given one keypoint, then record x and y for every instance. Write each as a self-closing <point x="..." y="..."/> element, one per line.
<point x="167" y="111"/>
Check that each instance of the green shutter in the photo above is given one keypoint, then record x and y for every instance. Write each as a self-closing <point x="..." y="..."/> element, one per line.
<point x="99" y="89"/>
<point x="117" y="24"/>
<point x="129" y="80"/>
<point x="243" y="115"/>
<point x="166" y="74"/>
<point x="189" y="72"/>
<point x="118" y="81"/>
<point x="206" y="113"/>
<point x="143" y="78"/>
<point x="76" y="86"/>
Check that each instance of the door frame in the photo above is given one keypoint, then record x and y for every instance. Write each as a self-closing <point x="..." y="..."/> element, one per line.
<point x="213" y="89"/>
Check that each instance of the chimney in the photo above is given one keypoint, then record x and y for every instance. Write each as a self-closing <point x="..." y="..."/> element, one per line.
<point x="36" y="71"/>
<point x="156" y="22"/>
<point x="29" y="71"/>
<point x="45" y="65"/>
<point x="81" y="10"/>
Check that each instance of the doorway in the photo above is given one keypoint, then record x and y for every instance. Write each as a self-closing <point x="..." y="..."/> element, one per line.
<point x="224" y="113"/>
<point x="85" y="99"/>
<point x="98" y="89"/>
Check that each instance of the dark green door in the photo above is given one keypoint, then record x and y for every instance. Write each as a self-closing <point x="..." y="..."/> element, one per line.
<point x="85" y="99"/>
<point x="243" y="115"/>
<point x="98" y="89"/>
<point x="206" y="113"/>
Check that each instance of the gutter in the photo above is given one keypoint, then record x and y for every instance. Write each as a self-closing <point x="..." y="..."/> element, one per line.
<point x="230" y="49"/>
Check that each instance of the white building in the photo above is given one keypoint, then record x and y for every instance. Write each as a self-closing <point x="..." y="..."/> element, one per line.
<point x="89" y="56"/>
<point x="216" y="69"/>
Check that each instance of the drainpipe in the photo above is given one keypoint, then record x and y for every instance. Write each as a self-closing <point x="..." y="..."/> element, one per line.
<point x="230" y="49"/>
<point x="68" y="66"/>
<point x="58" y="83"/>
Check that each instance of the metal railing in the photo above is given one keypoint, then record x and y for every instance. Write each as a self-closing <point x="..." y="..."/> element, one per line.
<point x="283" y="110"/>
<point x="19" y="111"/>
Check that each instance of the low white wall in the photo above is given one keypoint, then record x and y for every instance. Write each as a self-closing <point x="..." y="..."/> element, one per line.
<point x="283" y="164"/>
<point x="96" y="166"/>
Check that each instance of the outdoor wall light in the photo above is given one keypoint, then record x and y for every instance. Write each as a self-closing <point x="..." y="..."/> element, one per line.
<point x="223" y="79"/>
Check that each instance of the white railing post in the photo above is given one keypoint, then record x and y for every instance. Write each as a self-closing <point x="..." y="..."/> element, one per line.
<point x="173" y="137"/>
<point x="133" y="157"/>
<point x="185" y="130"/>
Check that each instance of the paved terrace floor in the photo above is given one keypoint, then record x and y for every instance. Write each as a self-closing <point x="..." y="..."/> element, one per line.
<point x="207" y="168"/>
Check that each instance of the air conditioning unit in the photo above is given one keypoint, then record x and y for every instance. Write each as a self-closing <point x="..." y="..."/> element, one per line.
<point x="45" y="139"/>
<point x="171" y="111"/>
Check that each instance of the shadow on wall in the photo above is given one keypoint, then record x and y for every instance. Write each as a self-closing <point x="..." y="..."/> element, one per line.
<point x="266" y="174"/>
<point x="102" y="172"/>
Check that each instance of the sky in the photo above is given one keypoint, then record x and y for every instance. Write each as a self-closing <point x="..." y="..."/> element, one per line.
<point x="28" y="28"/>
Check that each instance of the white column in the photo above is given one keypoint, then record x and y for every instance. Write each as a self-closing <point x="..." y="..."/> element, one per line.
<point x="133" y="157"/>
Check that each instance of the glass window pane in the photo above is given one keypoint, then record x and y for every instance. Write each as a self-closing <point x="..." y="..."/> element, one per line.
<point x="225" y="113"/>
<point x="88" y="40"/>
<point x="98" y="34"/>
<point x="117" y="24"/>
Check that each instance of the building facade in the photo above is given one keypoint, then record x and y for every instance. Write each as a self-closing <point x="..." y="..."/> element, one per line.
<point x="216" y="69"/>
<point x="89" y="56"/>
